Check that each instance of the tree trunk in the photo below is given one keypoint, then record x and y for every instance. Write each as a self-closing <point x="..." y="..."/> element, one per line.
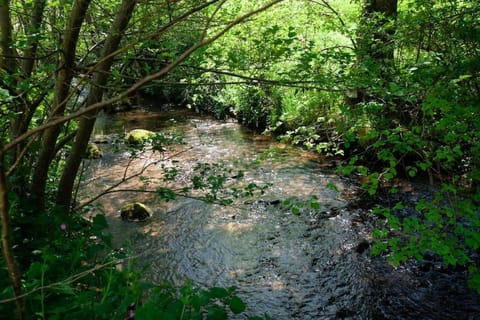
<point x="87" y="122"/>
<point x="28" y="108"/>
<point x="7" y="250"/>
<point x="26" y="104"/>
<point x="7" y="54"/>
<point x="375" y="45"/>
<point x="62" y="89"/>
<point x="377" y="38"/>
<point x="34" y="29"/>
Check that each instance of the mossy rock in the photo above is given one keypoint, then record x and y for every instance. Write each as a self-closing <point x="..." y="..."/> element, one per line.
<point x="139" y="137"/>
<point x="93" y="152"/>
<point x="135" y="211"/>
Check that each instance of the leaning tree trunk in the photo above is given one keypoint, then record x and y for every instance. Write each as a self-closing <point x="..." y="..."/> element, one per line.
<point x="7" y="248"/>
<point x="27" y="109"/>
<point x="7" y="62"/>
<point x="62" y="89"/>
<point x="26" y="102"/>
<point x="87" y="122"/>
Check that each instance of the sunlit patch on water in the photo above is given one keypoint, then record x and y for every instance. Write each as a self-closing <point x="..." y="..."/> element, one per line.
<point x="235" y="227"/>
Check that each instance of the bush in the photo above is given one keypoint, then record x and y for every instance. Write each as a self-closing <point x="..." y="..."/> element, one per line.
<point x="76" y="274"/>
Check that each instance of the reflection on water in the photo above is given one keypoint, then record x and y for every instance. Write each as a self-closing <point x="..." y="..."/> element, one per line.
<point x="291" y="267"/>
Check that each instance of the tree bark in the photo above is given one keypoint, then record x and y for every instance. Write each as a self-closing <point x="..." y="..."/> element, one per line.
<point x="87" y="121"/>
<point x="375" y="45"/>
<point x="142" y="82"/>
<point x="7" y="54"/>
<point x="7" y="250"/>
<point x="62" y="89"/>
<point x="26" y="104"/>
<point x="34" y="28"/>
<point x="378" y="17"/>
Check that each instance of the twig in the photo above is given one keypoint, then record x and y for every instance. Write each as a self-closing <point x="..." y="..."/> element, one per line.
<point x="19" y="157"/>
<point x="78" y="276"/>
<point x="55" y="121"/>
<point x="126" y="178"/>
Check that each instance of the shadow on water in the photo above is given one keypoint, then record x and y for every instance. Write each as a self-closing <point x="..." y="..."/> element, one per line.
<point x="314" y="265"/>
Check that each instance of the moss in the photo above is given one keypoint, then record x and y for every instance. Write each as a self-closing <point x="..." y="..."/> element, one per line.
<point x="139" y="137"/>
<point x="93" y="152"/>
<point x="135" y="211"/>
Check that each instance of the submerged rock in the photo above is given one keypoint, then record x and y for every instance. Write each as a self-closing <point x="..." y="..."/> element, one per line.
<point x="135" y="211"/>
<point x="93" y="152"/>
<point x="138" y="137"/>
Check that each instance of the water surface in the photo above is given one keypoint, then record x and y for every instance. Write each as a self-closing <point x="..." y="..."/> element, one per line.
<point x="307" y="266"/>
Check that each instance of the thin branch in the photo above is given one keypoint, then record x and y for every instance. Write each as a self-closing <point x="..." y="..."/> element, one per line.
<point x="209" y="21"/>
<point x="64" y="141"/>
<point x="308" y="85"/>
<point x="76" y="277"/>
<point x="253" y="80"/>
<point x="327" y="5"/>
<point x="55" y="121"/>
<point x="126" y="178"/>
<point x="158" y="32"/>
<point x="19" y="157"/>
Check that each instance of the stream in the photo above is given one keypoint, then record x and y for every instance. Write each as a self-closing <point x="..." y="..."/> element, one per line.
<point x="314" y="265"/>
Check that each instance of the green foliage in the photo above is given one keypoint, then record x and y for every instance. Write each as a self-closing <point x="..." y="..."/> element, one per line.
<point x="418" y="117"/>
<point x="72" y="272"/>
<point x="276" y="64"/>
<point x="69" y="268"/>
<point x="188" y="302"/>
<point x="253" y="105"/>
<point x="300" y="108"/>
<point x="297" y="206"/>
<point x="414" y="114"/>
<point x="448" y="226"/>
<point x="222" y="183"/>
<point x="321" y="138"/>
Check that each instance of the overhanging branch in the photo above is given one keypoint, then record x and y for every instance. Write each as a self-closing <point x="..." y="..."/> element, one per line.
<point x="55" y="121"/>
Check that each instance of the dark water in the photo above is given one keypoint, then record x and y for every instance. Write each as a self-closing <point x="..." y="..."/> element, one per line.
<point x="314" y="265"/>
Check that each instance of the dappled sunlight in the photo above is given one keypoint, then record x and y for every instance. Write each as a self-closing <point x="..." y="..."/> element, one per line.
<point x="277" y="256"/>
<point x="234" y="227"/>
<point x="257" y="244"/>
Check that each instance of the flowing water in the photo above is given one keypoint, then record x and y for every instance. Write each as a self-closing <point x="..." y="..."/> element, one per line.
<point x="314" y="265"/>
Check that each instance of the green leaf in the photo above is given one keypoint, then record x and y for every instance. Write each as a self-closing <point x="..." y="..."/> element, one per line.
<point x="378" y="248"/>
<point x="166" y="194"/>
<point x="99" y="222"/>
<point x="295" y="211"/>
<point x="412" y="171"/>
<point x="330" y="185"/>
<point x="200" y="300"/>
<point x="315" y="205"/>
<point x="474" y="281"/>
<point x="218" y="292"/>
<point x="237" y="305"/>
<point x="65" y="288"/>
<point x="175" y="307"/>
<point x="216" y="313"/>
<point x="461" y="78"/>
<point x="150" y="311"/>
